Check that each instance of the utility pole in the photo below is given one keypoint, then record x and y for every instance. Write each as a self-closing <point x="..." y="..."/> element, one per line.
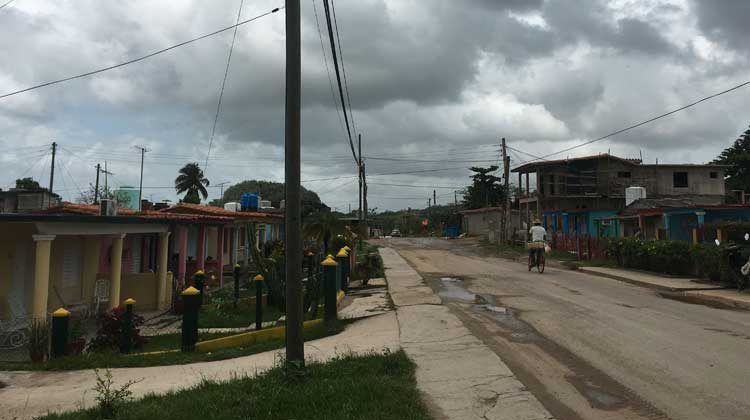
<point x="222" y="184"/>
<point x="96" y="187"/>
<point x="295" y="341"/>
<point x="359" y="146"/>
<point x="364" y="200"/>
<point x="506" y="211"/>
<point x="455" y="198"/>
<point x="140" y="188"/>
<point x="52" y="169"/>
<point x="106" y="185"/>
<point x="434" y="198"/>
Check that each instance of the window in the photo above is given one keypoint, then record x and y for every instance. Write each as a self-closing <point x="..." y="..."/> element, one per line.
<point x="680" y="180"/>
<point x="72" y="264"/>
<point x="714" y="175"/>
<point x="623" y="174"/>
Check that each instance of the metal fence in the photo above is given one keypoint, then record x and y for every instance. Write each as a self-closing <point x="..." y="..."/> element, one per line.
<point x="583" y="247"/>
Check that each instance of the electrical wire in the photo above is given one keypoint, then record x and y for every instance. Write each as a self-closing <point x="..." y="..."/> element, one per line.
<point x="135" y="60"/>
<point x="415" y="186"/>
<point x="6" y="3"/>
<point x="221" y="92"/>
<point x="642" y="123"/>
<point x="338" y="77"/>
<point x="343" y="66"/>
<point x="328" y="70"/>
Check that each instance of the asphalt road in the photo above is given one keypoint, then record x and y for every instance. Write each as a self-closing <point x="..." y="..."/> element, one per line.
<point x="590" y="347"/>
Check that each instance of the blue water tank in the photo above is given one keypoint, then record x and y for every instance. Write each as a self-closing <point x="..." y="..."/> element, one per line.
<point x="249" y="201"/>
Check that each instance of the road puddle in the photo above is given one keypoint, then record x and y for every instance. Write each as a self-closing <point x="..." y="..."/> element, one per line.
<point x="451" y="288"/>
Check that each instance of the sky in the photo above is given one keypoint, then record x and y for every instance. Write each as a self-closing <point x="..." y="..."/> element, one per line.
<point x="433" y="85"/>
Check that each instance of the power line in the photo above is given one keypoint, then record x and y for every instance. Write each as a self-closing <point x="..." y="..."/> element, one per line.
<point x="328" y="70"/>
<point x="6" y="3"/>
<point x="338" y="77"/>
<point x="135" y="60"/>
<point x="343" y="66"/>
<point x="422" y="160"/>
<point x="221" y="92"/>
<point x="416" y="186"/>
<point x="650" y="120"/>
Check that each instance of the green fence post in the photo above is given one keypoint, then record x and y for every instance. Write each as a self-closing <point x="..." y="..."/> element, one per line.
<point x="258" y="302"/>
<point x="343" y="259"/>
<point x="199" y="278"/>
<point x="236" y="284"/>
<point x="126" y="337"/>
<point x="60" y="322"/>
<point x="190" y="310"/>
<point x="329" y="288"/>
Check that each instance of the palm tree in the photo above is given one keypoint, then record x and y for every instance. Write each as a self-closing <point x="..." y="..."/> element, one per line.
<point x="191" y="180"/>
<point x="323" y="226"/>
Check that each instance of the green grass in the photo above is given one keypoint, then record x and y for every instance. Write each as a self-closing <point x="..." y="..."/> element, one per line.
<point x="374" y="386"/>
<point x="171" y="341"/>
<point x="225" y="315"/>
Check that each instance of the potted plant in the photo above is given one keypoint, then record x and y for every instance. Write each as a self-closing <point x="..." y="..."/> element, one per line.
<point x="76" y="342"/>
<point x="38" y="340"/>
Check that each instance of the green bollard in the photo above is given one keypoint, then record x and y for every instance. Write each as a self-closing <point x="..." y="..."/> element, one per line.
<point x="329" y="288"/>
<point x="60" y="322"/>
<point x="190" y="310"/>
<point x="199" y="278"/>
<point x="258" y="302"/>
<point x="236" y="284"/>
<point x="126" y="337"/>
<point x="343" y="259"/>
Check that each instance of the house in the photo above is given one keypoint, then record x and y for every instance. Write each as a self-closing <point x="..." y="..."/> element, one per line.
<point x="25" y="201"/>
<point x="81" y="260"/>
<point x="582" y="196"/>
<point x="486" y="222"/>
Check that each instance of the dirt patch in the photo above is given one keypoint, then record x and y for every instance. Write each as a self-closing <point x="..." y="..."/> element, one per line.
<point x="3" y="384"/>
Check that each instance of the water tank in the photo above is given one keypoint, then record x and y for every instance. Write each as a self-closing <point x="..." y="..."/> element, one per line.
<point x="634" y="193"/>
<point x="249" y="201"/>
<point x="282" y="204"/>
<point x="232" y="206"/>
<point x="265" y="204"/>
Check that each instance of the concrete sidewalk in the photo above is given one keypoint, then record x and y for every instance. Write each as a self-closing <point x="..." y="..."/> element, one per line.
<point x="459" y="375"/>
<point x="681" y="287"/>
<point x="31" y="394"/>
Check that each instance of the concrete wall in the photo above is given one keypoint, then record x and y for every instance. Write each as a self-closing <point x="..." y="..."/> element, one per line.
<point x="16" y="268"/>
<point x="699" y="180"/>
<point x="142" y="288"/>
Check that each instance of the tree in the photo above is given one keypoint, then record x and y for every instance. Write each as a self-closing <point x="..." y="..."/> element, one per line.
<point x="272" y="191"/>
<point x="192" y="181"/>
<point x="322" y="227"/>
<point x="486" y="189"/>
<point x="737" y="157"/>
<point x="27" y="183"/>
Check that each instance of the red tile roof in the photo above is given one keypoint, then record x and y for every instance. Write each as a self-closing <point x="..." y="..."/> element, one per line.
<point x="185" y="208"/>
<point x="93" y="210"/>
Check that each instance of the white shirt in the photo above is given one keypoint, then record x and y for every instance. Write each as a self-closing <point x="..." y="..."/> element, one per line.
<point x="537" y="233"/>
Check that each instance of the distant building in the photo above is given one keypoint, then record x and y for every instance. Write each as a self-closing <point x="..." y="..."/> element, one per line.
<point x="25" y="201"/>
<point x="579" y="196"/>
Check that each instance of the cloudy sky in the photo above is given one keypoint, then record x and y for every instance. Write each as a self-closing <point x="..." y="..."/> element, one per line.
<point x="434" y="84"/>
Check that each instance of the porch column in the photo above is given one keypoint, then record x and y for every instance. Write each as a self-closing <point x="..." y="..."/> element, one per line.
<point x="235" y="245"/>
<point x="162" y="301"/>
<point x="201" y="247"/>
<point x="182" y="237"/>
<point x="41" y="275"/>
<point x="220" y="253"/>
<point x="115" y="271"/>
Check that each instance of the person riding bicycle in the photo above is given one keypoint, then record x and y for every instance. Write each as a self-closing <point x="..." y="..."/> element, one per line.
<point x="538" y="234"/>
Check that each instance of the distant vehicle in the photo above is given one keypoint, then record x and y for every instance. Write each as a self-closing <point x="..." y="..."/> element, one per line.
<point x="396" y="233"/>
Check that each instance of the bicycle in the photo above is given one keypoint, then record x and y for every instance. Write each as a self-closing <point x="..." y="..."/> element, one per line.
<point x="536" y="256"/>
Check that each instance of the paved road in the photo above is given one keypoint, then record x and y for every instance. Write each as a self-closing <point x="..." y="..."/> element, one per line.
<point x="593" y="348"/>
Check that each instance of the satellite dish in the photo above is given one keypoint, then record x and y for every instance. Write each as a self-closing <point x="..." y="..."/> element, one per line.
<point x="717" y="242"/>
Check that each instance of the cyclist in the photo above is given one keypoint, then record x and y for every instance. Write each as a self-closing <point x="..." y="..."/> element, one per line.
<point x="538" y="234"/>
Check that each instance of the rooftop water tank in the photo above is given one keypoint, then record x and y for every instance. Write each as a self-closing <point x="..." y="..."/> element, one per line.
<point x="249" y="201"/>
<point x="232" y="206"/>
<point x="265" y="204"/>
<point x="633" y="194"/>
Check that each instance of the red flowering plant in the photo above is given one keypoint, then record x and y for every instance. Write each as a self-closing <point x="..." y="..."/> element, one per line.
<point x="109" y="334"/>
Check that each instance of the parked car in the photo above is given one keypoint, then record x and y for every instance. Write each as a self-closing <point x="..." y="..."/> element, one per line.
<point x="396" y="233"/>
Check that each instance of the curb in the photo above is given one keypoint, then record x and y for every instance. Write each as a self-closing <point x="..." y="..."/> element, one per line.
<point x="631" y="281"/>
<point x="720" y="300"/>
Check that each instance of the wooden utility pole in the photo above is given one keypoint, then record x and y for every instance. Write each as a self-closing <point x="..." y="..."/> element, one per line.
<point x="364" y="200"/>
<point x="96" y="186"/>
<point x="455" y="198"/>
<point x="359" y="167"/>
<point x="140" y="188"/>
<point x="295" y="341"/>
<point x="504" y="222"/>
<point x="52" y="169"/>
<point x="434" y="198"/>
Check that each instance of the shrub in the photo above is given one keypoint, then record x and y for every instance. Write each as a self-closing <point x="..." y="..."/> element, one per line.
<point x="39" y="334"/>
<point x="109" y="334"/>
